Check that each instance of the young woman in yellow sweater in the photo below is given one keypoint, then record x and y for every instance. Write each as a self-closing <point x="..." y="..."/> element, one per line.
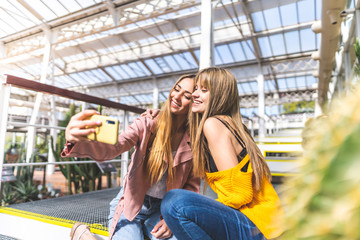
<point x="227" y="157"/>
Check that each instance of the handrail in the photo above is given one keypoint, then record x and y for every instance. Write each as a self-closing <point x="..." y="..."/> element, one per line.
<point x="41" y="87"/>
<point x="20" y="124"/>
<point x="58" y="163"/>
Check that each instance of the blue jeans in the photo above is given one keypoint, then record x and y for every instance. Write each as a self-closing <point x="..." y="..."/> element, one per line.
<point x="143" y="223"/>
<point x="193" y="216"/>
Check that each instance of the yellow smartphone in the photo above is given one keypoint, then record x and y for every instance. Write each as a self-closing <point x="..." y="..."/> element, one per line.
<point x="107" y="132"/>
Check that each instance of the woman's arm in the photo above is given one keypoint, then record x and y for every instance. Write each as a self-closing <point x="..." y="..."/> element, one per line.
<point x="102" y="151"/>
<point x="192" y="183"/>
<point x="222" y="144"/>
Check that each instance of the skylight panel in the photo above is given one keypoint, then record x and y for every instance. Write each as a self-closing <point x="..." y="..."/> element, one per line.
<point x="163" y="96"/>
<point x="100" y="75"/>
<point x="225" y="53"/>
<point x="11" y="20"/>
<point x="5" y="27"/>
<point x="237" y="52"/>
<point x="269" y="86"/>
<point x="292" y="42"/>
<point x="253" y="111"/>
<point x="137" y="70"/>
<point x="24" y="14"/>
<point x="306" y="10"/>
<point x="288" y="14"/>
<point x="182" y="62"/>
<point x="290" y="82"/>
<point x="217" y="57"/>
<point x="307" y="40"/>
<point x="56" y="7"/>
<point x="318" y="9"/>
<point x="128" y="100"/>
<point x="244" y="112"/>
<point x="129" y="71"/>
<point x="42" y="9"/>
<point x="300" y="81"/>
<point x="92" y="79"/>
<point x="153" y="66"/>
<point x="162" y="64"/>
<point x="264" y="47"/>
<point x="70" y="5"/>
<point x="63" y="82"/>
<point x="241" y="89"/>
<point x="246" y="88"/>
<point x="310" y="81"/>
<point x="85" y="3"/>
<point x="121" y="71"/>
<point x="113" y="73"/>
<point x="254" y="86"/>
<point x="277" y="44"/>
<point x="197" y="53"/>
<point x="33" y="69"/>
<point x="172" y="63"/>
<point x="248" y="49"/>
<point x="272" y="110"/>
<point x="143" y="68"/>
<point x="272" y="18"/>
<point x="190" y="59"/>
<point x="145" y="98"/>
<point x="282" y="83"/>
<point x="80" y="78"/>
<point x="258" y="21"/>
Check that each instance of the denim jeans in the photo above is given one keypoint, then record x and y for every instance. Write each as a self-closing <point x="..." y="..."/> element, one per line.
<point x="143" y="223"/>
<point x="193" y="216"/>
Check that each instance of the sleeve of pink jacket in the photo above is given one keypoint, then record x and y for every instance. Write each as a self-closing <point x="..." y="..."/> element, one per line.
<point x="192" y="183"/>
<point x="102" y="151"/>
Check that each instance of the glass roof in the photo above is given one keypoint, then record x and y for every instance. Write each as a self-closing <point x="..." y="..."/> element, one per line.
<point x="159" y="39"/>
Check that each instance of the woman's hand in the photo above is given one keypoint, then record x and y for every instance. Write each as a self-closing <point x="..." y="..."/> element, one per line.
<point x="161" y="230"/>
<point x="78" y="127"/>
<point x="150" y="113"/>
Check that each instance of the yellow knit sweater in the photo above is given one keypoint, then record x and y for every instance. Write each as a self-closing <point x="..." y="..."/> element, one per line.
<point x="234" y="189"/>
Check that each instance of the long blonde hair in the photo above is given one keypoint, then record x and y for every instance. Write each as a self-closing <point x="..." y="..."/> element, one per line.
<point x="161" y="146"/>
<point x="223" y="101"/>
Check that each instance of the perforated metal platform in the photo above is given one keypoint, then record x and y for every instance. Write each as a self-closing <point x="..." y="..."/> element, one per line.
<point x="3" y="237"/>
<point x="90" y="208"/>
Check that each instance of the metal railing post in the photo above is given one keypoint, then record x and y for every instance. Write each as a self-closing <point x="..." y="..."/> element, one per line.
<point x="4" y="106"/>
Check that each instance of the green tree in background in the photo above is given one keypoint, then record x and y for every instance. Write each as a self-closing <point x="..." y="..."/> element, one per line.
<point x="299" y="107"/>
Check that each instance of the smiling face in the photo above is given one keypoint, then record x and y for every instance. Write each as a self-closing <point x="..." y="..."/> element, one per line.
<point x="180" y="96"/>
<point x="201" y="97"/>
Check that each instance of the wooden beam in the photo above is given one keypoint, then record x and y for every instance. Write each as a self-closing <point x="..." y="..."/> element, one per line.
<point x="45" y="88"/>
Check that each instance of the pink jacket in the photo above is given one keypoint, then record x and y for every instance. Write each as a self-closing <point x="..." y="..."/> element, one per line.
<point x="135" y="183"/>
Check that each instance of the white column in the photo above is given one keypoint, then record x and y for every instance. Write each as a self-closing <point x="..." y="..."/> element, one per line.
<point x="31" y="134"/>
<point x="4" y="106"/>
<point x="207" y="38"/>
<point x="125" y="155"/>
<point x="2" y="50"/>
<point x="155" y="95"/>
<point x="261" y="106"/>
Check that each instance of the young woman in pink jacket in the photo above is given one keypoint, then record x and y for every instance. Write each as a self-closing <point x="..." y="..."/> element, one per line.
<point x="162" y="161"/>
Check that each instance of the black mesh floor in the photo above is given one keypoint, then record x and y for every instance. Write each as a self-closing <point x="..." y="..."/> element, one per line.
<point x="91" y="208"/>
<point x="3" y="237"/>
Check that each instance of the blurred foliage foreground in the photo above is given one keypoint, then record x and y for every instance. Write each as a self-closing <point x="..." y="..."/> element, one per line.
<point x="323" y="202"/>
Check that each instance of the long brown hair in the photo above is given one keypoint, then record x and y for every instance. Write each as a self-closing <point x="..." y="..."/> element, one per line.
<point x="161" y="146"/>
<point x="224" y="102"/>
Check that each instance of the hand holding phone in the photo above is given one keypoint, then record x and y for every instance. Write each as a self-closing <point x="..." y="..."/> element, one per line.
<point x="107" y="132"/>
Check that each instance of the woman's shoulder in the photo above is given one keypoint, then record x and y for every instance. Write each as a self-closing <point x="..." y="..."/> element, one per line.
<point x="146" y="122"/>
<point x="214" y="126"/>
